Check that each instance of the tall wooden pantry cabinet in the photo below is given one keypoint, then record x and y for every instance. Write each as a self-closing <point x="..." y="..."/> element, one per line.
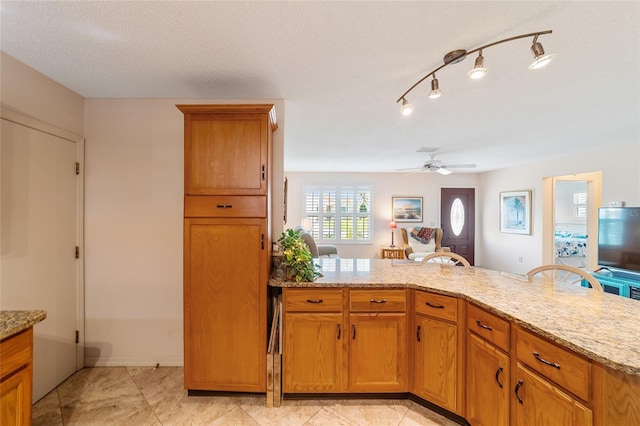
<point x="227" y="245"/>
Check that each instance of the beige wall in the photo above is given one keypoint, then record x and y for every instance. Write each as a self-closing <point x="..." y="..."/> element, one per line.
<point x="620" y="168"/>
<point x="35" y="95"/>
<point x="133" y="228"/>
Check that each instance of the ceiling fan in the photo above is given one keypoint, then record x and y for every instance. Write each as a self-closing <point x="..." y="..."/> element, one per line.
<point x="433" y="165"/>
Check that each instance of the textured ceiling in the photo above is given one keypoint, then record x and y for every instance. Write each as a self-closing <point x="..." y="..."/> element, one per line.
<point x="340" y="66"/>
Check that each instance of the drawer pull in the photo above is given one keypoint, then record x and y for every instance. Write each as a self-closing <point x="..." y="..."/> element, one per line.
<point x="418" y="334"/>
<point x="354" y="330"/>
<point x="481" y="325"/>
<point x="544" y="361"/>
<point x="498" y="372"/>
<point x="378" y="301"/>
<point x="517" y="389"/>
<point x="314" y="300"/>
<point x="224" y="206"/>
<point x="339" y="331"/>
<point x="434" y="306"/>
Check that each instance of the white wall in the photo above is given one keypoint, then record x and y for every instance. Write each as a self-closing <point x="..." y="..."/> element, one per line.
<point x="133" y="228"/>
<point x="385" y="186"/>
<point x="620" y="168"/>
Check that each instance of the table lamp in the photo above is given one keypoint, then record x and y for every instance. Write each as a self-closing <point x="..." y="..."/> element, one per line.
<point x="392" y="226"/>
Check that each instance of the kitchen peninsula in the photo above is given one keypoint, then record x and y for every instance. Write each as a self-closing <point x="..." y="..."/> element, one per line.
<point x="487" y="347"/>
<point x="16" y="365"/>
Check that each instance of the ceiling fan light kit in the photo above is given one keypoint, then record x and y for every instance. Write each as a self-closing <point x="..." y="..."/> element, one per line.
<point x="478" y="71"/>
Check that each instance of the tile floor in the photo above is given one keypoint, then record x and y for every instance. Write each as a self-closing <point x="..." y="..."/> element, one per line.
<point x="138" y="396"/>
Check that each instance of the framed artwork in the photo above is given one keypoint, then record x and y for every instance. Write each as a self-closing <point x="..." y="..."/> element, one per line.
<point x="515" y="212"/>
<point x="407" y="209"/>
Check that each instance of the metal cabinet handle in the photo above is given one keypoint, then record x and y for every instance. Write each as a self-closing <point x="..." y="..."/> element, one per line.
<point x="339" y="331"/>
<point x="224" y="206"/>
<point x="418" y="334"/>
<point x="314" y="301"/>
<point x="544" y="361"/>
<point x="498" y="372"/>
<point x="378" y="301"/>
<point x="481" y="325"/>
<point x="354" y="330"/>
<point x="434" y="306"/>
<point x="517" y="389"/>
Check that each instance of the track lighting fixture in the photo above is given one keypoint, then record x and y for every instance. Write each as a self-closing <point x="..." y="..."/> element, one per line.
<point x="435" y="89"/>
<point x="407" y="108"/>
<point x="478" y="70"/>
<point x="540" y="59"/>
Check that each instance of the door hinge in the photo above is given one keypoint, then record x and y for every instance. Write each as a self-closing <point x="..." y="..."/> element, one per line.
<point x="77" y="252"/>
<point x="77" y="336"/>
<point x="77" y="168"/>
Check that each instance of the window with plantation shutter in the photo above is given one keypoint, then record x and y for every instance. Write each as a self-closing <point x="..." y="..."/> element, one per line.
<point x="339" y="214"/>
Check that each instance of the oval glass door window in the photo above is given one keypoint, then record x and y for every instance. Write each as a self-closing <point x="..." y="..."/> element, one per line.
<point x="457" y="216"/>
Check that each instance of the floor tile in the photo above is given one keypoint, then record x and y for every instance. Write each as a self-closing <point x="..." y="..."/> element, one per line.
<point x="147" y="396"/>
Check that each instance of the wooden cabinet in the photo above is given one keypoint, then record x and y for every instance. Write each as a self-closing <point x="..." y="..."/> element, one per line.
<point x="377" y="341"/>
<point x="539" y="402"/>
<point x="488" y="383"/>
<point x="16" y="379"/>
<point x="227" y="245"/>
<point x="438" y="350"/>
<point x="552" y="384"/>
<point x="227" y="149"/>
<point x="313" y="341"/>
<point x="321" y="354"/>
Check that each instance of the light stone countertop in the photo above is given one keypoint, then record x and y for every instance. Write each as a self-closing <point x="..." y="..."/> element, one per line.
<point x="601" y="326"/>
<point x="13" y="322"/>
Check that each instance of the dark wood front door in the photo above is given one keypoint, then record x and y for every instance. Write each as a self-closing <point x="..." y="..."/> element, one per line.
<point x="457" y="213"/>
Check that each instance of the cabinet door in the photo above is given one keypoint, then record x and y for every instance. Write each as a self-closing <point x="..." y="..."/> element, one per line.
<point x="377" y="353"/>
<point x="436" y="361"/>
<point x="313" y="346"/>
<point x="488" y="384"/>
<point x="15" y="398"/>
<point x="225" y="304"/>
<point x="538" y="402"/>
<point x="226" y="153"/>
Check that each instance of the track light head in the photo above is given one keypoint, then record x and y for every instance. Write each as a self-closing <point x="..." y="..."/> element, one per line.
<point x="478" y="70"/>
<point x="540" y="58"/>
<point x="435" y="89"/>
<point x="407" y="108"/>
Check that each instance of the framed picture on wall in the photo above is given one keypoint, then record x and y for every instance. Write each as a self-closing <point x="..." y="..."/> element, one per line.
<point x="407" y="209"/>
<point x="515" y="212"/>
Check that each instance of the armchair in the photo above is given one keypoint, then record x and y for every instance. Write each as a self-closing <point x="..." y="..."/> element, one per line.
<point x="414" y="249"/>
<point x="326" y="251"/>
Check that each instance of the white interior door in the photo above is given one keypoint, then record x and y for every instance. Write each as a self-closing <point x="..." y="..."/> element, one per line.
<point x="39" y="233"/>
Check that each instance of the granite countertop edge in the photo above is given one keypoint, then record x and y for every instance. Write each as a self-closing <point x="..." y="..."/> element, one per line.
<point x="542" y="322"/>
<point x="14" y="322"/>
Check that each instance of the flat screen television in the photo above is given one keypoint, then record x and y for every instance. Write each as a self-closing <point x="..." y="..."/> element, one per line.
<point x="619" y="238"/>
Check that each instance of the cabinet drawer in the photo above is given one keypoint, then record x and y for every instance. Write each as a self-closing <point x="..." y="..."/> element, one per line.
<point x="225" y="206"/>
<point x="489" y="327"/>
<point x="16" y="352"/>
<point x="565" y="368"/>
<point x="378" y="300"/>
<point x="312" y="300"/>
<point x="437" y="305"/>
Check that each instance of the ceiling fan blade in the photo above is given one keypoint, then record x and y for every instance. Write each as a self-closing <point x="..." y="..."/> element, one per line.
<point x="411" y="168"/>
<point x="459" y="166"/>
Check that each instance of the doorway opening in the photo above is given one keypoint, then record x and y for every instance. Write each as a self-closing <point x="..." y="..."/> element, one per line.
<point x="570" y="219"/>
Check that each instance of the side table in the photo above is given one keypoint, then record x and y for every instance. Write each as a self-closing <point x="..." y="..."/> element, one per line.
<point x="392" y="252"/>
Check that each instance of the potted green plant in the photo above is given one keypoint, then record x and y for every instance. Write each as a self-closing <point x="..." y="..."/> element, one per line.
<point x="296" y="257"/>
